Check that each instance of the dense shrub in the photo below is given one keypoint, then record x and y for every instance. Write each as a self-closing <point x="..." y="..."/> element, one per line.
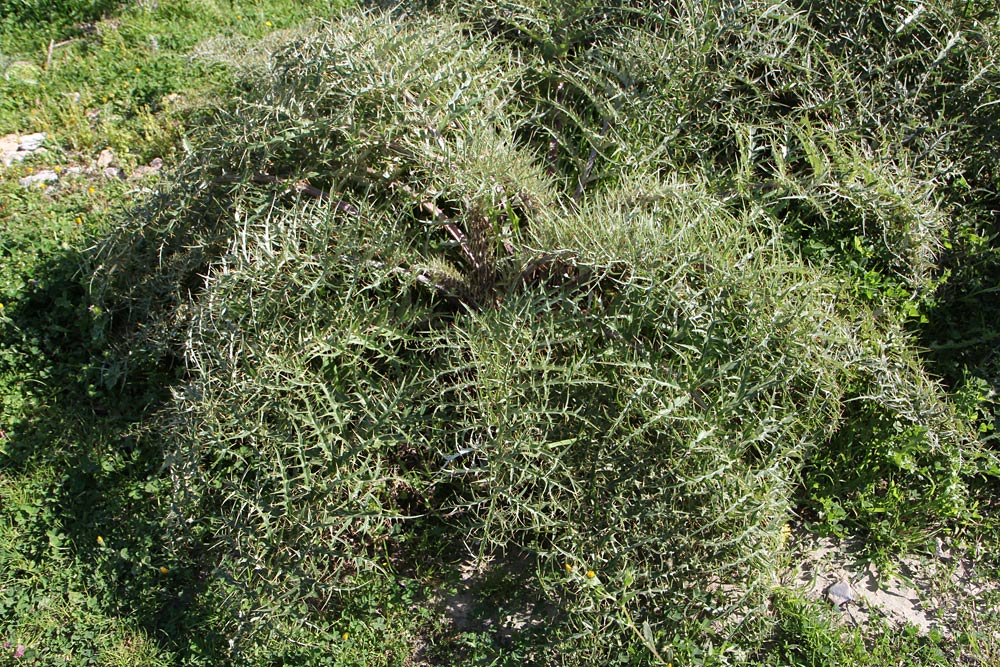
<point x="562" y="279"/>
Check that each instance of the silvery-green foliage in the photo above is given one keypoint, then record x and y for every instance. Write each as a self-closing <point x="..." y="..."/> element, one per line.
<point x="518" y="277"/>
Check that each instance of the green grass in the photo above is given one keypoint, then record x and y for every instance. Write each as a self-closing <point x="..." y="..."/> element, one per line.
<point x="73" y="466"/>
<point x="586" y="301"/>
<point x="128" y="79"/>
<point x="808" y="634"/>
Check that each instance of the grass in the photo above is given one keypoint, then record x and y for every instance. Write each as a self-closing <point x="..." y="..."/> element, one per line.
<point x="73" y="466"/>
<point x="552" y="312"/>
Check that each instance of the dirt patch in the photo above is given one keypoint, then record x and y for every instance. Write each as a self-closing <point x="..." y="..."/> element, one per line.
<point x="491" y="596"/>
<point x="935" y="592"/>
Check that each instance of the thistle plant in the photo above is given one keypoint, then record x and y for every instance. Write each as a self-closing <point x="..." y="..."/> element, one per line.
<point x="564" y="279"/>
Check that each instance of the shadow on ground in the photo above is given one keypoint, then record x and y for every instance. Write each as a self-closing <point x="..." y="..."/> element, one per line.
<point x="96" y="525"/>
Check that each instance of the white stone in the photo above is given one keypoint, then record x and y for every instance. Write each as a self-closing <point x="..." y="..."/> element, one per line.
<point x="46" y="176"/>
<point x="31" y="142"/>
<point x="9" y="158"/>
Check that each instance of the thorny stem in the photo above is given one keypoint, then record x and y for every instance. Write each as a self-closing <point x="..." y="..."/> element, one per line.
<point x="300" y="186"/>
<point x="591" y="159"/>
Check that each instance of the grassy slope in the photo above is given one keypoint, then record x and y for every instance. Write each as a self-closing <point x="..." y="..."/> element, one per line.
<point x="75" y="466"/>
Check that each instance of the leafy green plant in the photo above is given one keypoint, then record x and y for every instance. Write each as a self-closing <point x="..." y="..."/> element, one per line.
<point x="807" y="633"/>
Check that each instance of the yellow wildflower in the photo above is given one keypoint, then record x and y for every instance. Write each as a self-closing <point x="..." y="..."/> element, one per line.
<point x="569" y="568"/>
<point x="267" y="23"/>
<point x="591" y="574"/>
<point x="164" y="569"/>
<point x="344" y="636"/>
<point x="100" y="540"/>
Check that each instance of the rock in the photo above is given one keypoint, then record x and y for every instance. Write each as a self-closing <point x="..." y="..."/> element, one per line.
<point x="46" y="176"/>
<point x="112" y="172"/>
<point x="8" y="149"/>
<point x="147" y="170"/>
<point x="31" y="142"/>
<point x="840" y="593"/>
<point x="105" y="159"/>
<point x="9" y="143"/>
<point x="14" y="148"/>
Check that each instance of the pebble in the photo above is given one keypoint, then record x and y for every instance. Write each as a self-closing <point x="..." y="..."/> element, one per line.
<point x="105" y="159"/>
<point x="143" y="171"/>
<point x="840" y="593"/>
